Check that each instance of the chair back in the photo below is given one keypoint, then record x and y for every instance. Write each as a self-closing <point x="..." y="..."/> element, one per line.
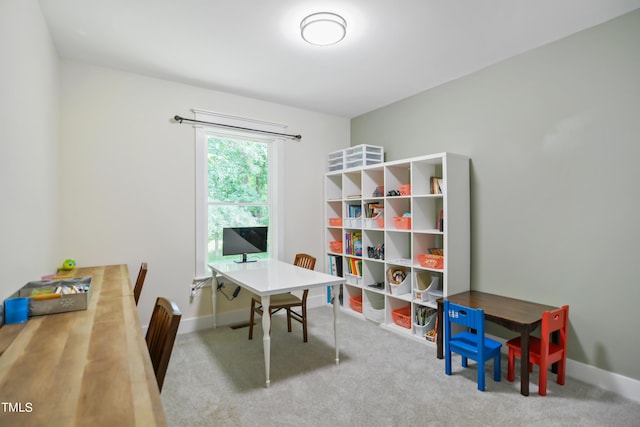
<point x="308" y="262"/>
<point x="161" y="335"/>
<point x="296" y="307"/>
<point x="137" y="290"/>
<point x="472" y="345"/>
<point x="472" y="318"/>
<point x="305" y="261"/>
<point x="552" y="321"/>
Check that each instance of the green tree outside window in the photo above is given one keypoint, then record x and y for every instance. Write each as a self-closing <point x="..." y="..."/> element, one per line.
<point x="238" y="188"/>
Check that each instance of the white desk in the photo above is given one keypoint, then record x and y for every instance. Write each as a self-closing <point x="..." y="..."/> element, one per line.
<point x="269" y="277"/>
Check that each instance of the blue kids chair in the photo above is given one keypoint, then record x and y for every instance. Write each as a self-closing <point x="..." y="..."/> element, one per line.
<point x="469" y="344"/>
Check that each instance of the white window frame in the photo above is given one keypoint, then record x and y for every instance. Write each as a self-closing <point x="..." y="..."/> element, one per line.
<point x="276" y="179"/>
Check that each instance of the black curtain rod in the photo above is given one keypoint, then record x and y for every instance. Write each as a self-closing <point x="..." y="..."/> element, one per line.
<point x="181" y="119"/>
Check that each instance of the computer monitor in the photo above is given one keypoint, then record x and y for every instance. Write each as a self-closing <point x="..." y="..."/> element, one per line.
<point x="243" y="241"/>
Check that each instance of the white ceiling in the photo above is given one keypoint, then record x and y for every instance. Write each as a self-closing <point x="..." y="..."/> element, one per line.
<point x="393" y="49"/>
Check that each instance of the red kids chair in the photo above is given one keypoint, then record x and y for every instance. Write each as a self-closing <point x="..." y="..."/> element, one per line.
<point x="542" y="351"/>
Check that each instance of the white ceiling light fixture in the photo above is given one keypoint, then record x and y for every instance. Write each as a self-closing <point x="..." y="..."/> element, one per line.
<point x="323" y="28"/>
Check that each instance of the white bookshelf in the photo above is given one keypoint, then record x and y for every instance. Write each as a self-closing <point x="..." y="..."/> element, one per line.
<point x="350" y="190"/>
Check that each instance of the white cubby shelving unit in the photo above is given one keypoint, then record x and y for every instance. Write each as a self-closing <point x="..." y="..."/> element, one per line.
<point x="395" y="231"/>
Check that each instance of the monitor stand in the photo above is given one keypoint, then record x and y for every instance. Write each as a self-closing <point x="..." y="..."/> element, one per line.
<point x="245" y="259"/>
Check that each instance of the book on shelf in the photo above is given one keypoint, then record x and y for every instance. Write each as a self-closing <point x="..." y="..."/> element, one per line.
<point x="330" y="294"/>
<point x="440" y="223"/>
<point x="335" y="265"/>
<point x="373" y="210"/>
<point x="354" y="211"/>
<point x="354" y="267"/>
<point x="420" y="315"/>
<point x="335" y="269"/>
<point x="436" y="185"/>
<point x="425" y="317"/>
<point x="353" y="241"/>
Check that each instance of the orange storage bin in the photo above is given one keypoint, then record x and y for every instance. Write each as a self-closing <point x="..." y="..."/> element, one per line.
<point x="402" y="316"/>
<point x="404" y="189"/>
<point x="335" y="222"/>
<point x="380" y="222"/>
<point x="402" y="222"/>
<point x="431" y="261"/>
<point x="356" y="303"/>
<point x="336" y="246"/>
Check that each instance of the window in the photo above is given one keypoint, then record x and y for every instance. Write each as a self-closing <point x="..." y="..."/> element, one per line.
<point x="237" y="190"/>
<point x="237" y="179"/>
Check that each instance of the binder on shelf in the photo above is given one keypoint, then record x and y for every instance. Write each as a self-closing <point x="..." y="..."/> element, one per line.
<point x="330" y="296"/>
<point x="335" y="265"/>
<point x="335" y="269"/>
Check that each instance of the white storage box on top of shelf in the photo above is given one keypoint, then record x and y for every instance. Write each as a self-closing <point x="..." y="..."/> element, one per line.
<point x="335" y="161"/>
<point x="354" y="157"/>
<point x="363" y="155"/>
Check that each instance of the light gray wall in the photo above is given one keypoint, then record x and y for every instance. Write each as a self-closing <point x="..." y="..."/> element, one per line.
<point x="554" y="140"/>
<point x="28" y="146"/>
<point x="130" y="173"/>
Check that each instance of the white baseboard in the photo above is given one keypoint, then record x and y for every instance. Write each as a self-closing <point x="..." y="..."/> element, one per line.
<point x="234" y="317"/>
<point x="624" y="386"/>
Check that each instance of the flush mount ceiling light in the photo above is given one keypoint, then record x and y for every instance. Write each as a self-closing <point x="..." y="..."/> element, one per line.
<point x="323" y="28"/>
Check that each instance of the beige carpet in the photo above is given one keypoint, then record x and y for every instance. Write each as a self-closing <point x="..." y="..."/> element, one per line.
<point x="216" y="378"/>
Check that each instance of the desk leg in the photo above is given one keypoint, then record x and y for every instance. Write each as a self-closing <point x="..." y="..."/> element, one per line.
<point x="524" y="359"/>
<point x="336" y="310"/>
<point x="214" y="284"/>
<point x="439" y="352"/>
<point x="266" y="340"/>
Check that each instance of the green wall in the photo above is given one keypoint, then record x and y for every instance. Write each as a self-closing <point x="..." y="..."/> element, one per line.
<point x="554" y="140"/>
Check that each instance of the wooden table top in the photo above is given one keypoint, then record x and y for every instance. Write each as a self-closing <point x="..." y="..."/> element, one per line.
<point x="83" y="368"/>
<point x="502" y="309"/>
